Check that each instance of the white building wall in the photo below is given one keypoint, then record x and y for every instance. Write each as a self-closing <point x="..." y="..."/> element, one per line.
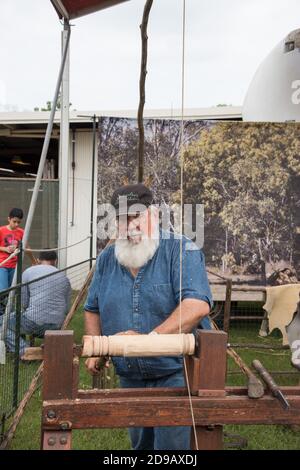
<point x="80" y="228"/>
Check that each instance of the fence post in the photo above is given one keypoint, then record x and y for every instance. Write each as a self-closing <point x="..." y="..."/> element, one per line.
<point x="227" y="306"/>
<point x="17" y="327"/>
<point x="59" y="382"/>
<point x="207" y="376"/>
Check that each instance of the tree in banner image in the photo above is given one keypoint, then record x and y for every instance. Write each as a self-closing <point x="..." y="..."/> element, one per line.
<point x="243" y="173"/>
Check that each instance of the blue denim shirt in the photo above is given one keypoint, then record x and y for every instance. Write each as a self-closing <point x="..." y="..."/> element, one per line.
<point x="143" y="302"/>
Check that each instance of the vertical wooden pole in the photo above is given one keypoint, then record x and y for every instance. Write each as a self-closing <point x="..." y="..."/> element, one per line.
<point x="227" y="306"/>
<point x="143" y="73"/>
<point x="60" y="375"/>
<point x="207" y="375"/>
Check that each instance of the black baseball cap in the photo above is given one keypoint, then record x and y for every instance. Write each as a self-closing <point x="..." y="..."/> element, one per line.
<point x="131" y="199"/>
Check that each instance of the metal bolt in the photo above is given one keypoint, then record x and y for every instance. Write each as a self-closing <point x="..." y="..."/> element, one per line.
<point x="51" y="414"/>
<point x="64" y="426"/>
<point x="51" y="441"/>
<point x="63" y="440"/>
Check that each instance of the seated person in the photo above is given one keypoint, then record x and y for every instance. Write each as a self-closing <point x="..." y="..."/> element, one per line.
<point x="45" y="302"/>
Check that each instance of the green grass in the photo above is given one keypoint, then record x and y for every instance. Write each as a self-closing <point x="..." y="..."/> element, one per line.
<point x="259" y="437"/>
<point x="26" y="373"/>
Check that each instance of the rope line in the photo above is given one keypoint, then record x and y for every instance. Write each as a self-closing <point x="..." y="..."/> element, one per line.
<point x="181" y="209"/>
<point x="38" y="250"/>
<point x="181" y="156"/>
<point x="58" y="249"/>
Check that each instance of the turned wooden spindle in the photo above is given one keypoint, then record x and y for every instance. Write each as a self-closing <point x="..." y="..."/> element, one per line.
<point x="138" y="345"/>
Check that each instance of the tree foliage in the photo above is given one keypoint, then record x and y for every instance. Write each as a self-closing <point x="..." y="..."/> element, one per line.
<point x="117" y="152"/>
<point x="247" y="175"/>
<point x="243" y="173"/>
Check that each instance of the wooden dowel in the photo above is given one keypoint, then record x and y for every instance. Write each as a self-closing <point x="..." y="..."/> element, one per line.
<point x="138" y="345"/>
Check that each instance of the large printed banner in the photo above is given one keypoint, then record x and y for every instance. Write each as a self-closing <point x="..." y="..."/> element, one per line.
<point x="246" y="175"/>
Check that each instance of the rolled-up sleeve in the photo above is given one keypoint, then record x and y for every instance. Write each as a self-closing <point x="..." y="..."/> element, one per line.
<point x="91" y="304"/>
<point x="194" y="283"/>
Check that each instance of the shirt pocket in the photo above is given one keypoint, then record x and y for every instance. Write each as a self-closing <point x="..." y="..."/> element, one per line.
<point x="163" y="300"/>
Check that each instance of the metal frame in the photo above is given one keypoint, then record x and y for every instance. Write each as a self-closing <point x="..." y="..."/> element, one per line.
<point x="38" y="177"/>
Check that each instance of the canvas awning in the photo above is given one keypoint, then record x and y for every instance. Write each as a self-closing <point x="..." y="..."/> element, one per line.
<point x="70" y="9"/>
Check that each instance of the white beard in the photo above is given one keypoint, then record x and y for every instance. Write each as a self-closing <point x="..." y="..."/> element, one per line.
<point x="137" y="255"/>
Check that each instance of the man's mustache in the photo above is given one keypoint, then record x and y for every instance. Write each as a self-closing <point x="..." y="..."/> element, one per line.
<point x="134" y="233"/>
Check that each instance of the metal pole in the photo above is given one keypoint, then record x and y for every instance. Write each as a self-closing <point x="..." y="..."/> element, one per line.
<point x="17" y="328"/>
<point x="73" y="176"/>
<point x="37" y="184"/>
<point x="46" y="144"/>
<point x="92" y="192"/>
<point x="64" y="154"/>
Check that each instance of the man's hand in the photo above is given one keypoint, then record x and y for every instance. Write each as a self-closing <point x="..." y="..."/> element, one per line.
<point x="95" y="364"/>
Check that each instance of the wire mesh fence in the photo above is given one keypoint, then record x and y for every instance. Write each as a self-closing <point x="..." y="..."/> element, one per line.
<point x="39" y="303"/>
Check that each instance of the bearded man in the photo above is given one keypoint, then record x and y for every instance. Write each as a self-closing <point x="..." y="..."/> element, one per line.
<point x="142" y="285"/>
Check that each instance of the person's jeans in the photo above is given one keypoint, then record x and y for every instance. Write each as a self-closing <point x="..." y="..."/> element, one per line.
<point x="164" y="437"/>
<point x="27" y="327"/>
<point x="6" y="277"/>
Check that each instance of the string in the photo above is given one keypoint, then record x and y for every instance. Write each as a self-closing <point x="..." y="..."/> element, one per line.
<point x="181" y="209"/>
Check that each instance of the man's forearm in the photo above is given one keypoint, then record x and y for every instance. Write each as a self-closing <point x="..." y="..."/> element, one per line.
<point x="30" y="254"/>
<point x="184" y="318"/>
<point x="92" y="323"/>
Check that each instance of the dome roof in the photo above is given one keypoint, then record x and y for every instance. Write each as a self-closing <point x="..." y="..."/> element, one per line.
<point x="274" y="93"/>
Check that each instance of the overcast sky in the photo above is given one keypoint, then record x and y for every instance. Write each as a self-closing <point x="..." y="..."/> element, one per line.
<point x="225" y="42"/>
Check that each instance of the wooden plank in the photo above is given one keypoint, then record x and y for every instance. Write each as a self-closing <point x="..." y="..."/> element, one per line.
<point x="288" y="390"/>
<point x="208" y="438"/>
<point x="170" y="411"/>
<point x="211" y="349"/>
<point x="133" y="392"/>
<point x="236" y="288"/>
<point x="246" y="294"/>
<point x="75" y="376"/>
<point x="58" y="365"/>
<point x="193" y="367"/>
<point x="60" y="381"/>
<point x="167" y="392"/>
